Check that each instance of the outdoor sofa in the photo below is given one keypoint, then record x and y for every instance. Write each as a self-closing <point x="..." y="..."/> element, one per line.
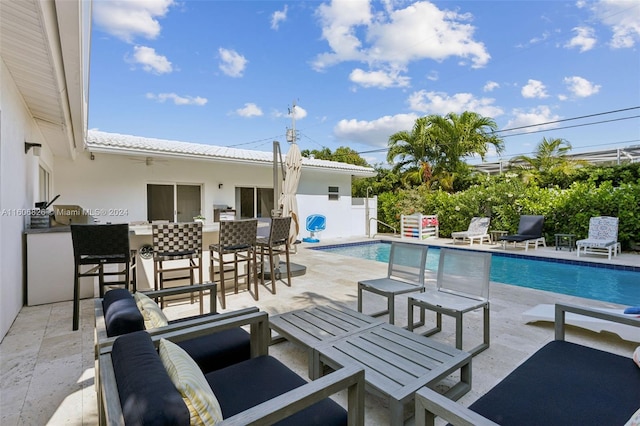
<point x="563" y="383"/>
<point x="136" y="388"/>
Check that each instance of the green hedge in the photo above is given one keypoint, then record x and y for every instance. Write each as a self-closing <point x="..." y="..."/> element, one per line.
<point x="505" y="198"/>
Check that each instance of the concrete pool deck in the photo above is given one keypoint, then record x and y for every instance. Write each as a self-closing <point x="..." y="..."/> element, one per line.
<point x="47" y="370"/>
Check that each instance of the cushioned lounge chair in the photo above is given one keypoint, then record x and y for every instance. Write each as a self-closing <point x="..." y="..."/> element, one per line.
<point x="602" y="237"/>
<point x="529" y="232"/>
<point x="477" y="230"/>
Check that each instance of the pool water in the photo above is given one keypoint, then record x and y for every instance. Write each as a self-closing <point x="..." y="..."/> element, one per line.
<point x="572" y="278"/>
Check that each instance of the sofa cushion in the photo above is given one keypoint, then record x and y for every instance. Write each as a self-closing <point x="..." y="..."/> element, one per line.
<point x="565" y="383"/>
<point x="214" y="351"/>
<point x="636" y="356"/>
<point x="151" y="312"/>
<point x="147" y="395"/>
<point x="187" y="377"/>
<point x="249" y="383"/>
<point x="121" y="314"/>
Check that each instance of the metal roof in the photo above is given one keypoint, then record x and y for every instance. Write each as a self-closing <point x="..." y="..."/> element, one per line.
<point x="628" y="154"/>
<point x="114" y="143"/>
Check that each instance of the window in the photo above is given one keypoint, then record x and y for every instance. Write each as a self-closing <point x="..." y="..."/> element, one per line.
<point x="43" y="185"/>
<point x="334" y="193"/>
<point x="254" y="202"/>
<point x="162" y="200"/>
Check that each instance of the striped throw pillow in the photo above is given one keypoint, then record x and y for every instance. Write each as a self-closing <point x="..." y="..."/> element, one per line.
<point x="191" y="383"/>
<point x="151" y="312"/>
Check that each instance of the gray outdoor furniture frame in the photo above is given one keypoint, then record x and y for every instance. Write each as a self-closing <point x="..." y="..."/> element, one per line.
<point x="396" y="361"/>
<point x="350" y="379"/>
<point x="405" y="274"/>
<point x="515" y="392"/>
<point x="462" y="286"/>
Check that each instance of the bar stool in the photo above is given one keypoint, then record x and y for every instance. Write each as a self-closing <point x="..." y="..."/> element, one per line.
<point x="96" y="246"/>
<point x="275" y="244"/>
<point x="177" y="242"/>
<point x="237" y="241"/>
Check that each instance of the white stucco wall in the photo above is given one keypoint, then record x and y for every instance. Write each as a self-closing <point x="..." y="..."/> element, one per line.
<point x="18" y="193"/>
<point x="113" y="182"/>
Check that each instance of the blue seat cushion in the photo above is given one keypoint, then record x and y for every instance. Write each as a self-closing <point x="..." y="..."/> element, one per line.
<point x="564" y="383"/>
<point x="147" y="395"/>
<point x="219" y="350"/>
<point x="249" y="383"/>
<point x="121" y="314"/>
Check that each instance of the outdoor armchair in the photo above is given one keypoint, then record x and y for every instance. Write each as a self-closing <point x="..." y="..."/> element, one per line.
<point x="260" y="390"/>
<point x="563" y="383"/>
<point x="478" y="230"/>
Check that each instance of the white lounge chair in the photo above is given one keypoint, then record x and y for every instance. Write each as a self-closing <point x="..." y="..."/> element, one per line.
<point x="602" y="237"/>
<point x="546" y="312"/>
<point x="478" y="230"/>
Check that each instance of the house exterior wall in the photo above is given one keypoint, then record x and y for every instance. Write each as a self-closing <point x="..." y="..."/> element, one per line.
<point x="18" y="192"/>
<point x="116" y="185"/>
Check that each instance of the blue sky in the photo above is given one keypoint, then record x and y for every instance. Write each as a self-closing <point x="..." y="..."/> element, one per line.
<point x="228" y="72"/>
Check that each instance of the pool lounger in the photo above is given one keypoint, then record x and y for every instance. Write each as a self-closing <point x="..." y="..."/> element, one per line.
<point x="546" y="312"/>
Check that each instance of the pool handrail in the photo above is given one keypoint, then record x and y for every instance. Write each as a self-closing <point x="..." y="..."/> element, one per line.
<point x="379" y="221"/>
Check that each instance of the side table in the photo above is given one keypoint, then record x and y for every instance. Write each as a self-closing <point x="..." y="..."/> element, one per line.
<point x="495" y="235"/>
<point x="565" y="240"/>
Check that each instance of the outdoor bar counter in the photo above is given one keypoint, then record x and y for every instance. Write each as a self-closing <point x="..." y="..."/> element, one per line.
<point x="49" y="262"/>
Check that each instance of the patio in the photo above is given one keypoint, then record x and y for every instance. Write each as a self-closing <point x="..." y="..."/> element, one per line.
<point x="47" y="371"/>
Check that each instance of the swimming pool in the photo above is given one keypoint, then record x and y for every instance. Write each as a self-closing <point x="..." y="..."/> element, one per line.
<point x="600" y="282"/>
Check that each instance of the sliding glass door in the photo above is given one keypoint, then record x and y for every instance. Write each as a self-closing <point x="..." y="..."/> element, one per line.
<point x="173" y="202"/>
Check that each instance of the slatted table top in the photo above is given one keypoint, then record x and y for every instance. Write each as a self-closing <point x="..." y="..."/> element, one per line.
<point x="315" y="326"/>
<point x="397" y="362"/>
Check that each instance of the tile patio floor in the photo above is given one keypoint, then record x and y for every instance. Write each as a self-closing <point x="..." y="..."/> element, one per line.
<point x="47" y="370"/>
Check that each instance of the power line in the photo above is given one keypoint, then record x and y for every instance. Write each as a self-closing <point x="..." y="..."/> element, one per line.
<point x="569" y="127"/>
<point x="566" y="119"/>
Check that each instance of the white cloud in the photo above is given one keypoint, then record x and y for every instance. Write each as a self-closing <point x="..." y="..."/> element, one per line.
<point x="581" y="87"/>
<point x="584" y="39"/>
<point x="531" y="117"/>
<point x="442" y="104"/>
<point x="393" y="38"/>
<point x="178" y="100"/>
<point x="277" y="17"/>
<point x="233" y="63"/>
<point x="150" y="60"/>
<point x="382" y="79"/>
<point x="623" y="17"/>
<point x="374" y="133"/>
<point x="249" y="110"/>
<point x="127" y="19"/>
<point x="534" y="89"/>
<point x="490" y="86"/>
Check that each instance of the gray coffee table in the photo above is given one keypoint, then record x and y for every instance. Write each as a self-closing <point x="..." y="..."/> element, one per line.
<point x="397" y="363"/>
<point x="314" y="326"/>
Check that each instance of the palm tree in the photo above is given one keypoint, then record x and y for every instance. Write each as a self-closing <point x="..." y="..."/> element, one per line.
<point x="441" y="143"/>
<point x="549" y="160"/>
<point x="411" y="152"/>
<point x="460" y="136"/>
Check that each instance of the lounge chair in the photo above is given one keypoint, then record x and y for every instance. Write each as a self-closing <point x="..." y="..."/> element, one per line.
<point x="563" y="383"/>
<point x="545" y="312"/>
<point x="478" y="230"/>
<point x="602" y="237"/>
<point x="529" y="232"/>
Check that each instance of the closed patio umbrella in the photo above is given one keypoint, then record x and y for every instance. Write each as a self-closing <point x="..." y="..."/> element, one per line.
<point x="287" y="201"/>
